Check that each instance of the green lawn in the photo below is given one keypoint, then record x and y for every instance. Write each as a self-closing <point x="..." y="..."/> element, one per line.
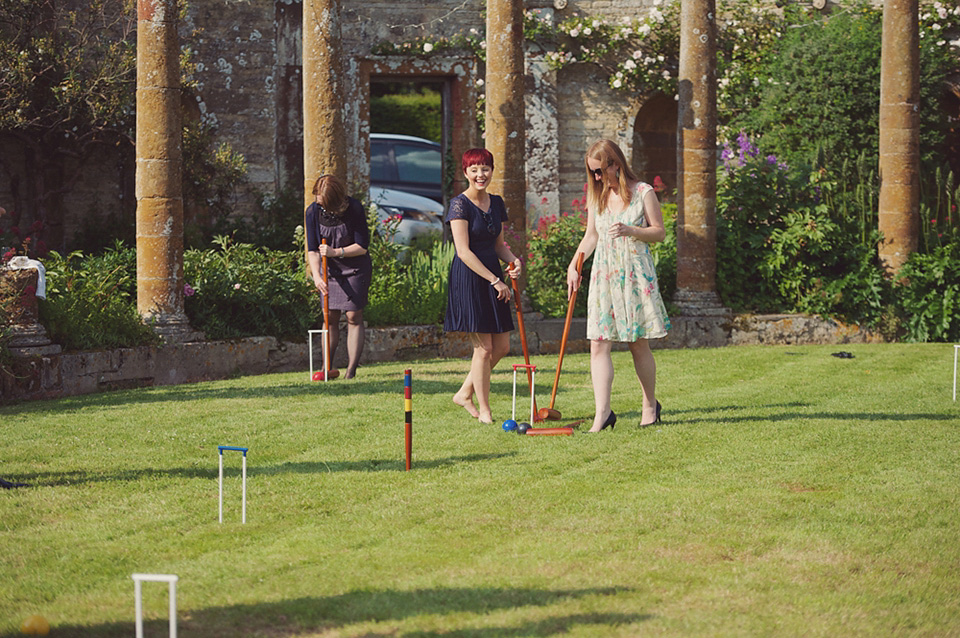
<point x="787" y="492"/>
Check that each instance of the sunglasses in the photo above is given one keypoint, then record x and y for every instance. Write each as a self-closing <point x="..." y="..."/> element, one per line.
<point x="598" y="172"/>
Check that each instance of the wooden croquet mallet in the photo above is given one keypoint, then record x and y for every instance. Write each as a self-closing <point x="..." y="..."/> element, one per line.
<point x="550" y="414"/>
<point x="328" y="373"/>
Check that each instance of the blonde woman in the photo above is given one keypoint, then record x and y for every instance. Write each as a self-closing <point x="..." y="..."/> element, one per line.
<point x="623" y="300"/>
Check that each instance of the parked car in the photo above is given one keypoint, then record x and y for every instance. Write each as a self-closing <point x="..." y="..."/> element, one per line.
<point x="419" y="216"/>
<point x="406" y="163"/>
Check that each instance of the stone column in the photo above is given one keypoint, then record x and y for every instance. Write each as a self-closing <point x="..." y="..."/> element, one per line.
<point x="899" y="132"/>
<point x="324" y="138"/>
<point x="158" y="180"/>
<point x="697" y="161"/>
<point x="504" y="115"/>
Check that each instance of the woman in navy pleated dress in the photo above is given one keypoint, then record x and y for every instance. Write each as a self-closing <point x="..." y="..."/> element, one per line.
<point x="478" y="300"/>
<point x="341" y="220"/>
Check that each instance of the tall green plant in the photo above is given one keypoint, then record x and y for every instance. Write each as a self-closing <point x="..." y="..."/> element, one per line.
<point x="91" y="301"/>
<point x="241" y="290"/>
<point x="553" y="245"/>
<point x="928" y="295"/>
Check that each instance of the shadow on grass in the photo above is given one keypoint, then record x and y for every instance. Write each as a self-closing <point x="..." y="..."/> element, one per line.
<point x="203" y="392"/>
<point x="79" y="477"/>
<point x="313" y="615"/>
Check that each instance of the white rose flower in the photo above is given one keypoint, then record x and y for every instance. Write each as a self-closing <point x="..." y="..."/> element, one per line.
<point x="574" y="33"/>
<point x="596" y="23"/>
<point x="587" y="31"/>
<point x="617" y="84"/>
<point x="660" y="58"/>
<point x="427" y="47"/>
<point x="666" y="75"/>
<point x="629" y="65"/>
<point x="644" y="29"/>
<point x="637" y="54"/>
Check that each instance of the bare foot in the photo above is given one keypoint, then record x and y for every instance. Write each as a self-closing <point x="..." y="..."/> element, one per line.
<point x="466" y="404"/>
<point x="486" y="418"/>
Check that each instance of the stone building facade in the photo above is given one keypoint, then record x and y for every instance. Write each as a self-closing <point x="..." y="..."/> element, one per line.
<point x="249" y="84"/>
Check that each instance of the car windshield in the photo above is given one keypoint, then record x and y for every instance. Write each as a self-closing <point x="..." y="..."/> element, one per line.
<point x="416" y="164"/>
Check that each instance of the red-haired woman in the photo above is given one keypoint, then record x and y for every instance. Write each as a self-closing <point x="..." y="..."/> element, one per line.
<point x="340" y="220"/>
<point x="623" y="303"/>
<point x="478" y="300"/>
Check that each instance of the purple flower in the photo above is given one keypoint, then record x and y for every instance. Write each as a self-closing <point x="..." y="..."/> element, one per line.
<point x="772" y="160"/>
<point x="188" y="290"/>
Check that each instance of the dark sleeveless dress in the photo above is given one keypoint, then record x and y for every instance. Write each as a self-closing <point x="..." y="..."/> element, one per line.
<point x="348" y="278"/>
<point x="472" y="304"/>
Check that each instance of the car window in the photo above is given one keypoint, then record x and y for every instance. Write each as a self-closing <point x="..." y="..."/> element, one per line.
<point x="417" y="164"/>
<point x="380" y="162"/>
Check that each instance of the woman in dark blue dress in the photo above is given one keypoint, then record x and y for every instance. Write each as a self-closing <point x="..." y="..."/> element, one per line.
<point x="478" y="300"/>
<point x="340" y="220"/>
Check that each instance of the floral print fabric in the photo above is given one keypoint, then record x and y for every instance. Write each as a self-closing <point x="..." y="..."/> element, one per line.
<point x="624" y="303"/>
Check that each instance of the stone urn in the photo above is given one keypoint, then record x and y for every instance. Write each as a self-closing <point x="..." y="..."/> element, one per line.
<point x="20" y="313"/>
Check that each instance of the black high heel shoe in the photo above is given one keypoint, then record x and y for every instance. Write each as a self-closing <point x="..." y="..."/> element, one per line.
<point x="611" y="421"/>
<point x="655" y="421"/>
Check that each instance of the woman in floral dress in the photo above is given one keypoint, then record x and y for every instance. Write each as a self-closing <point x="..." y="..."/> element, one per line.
<point x="623" y="302"/>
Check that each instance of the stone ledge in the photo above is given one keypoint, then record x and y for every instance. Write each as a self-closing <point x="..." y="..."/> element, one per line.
<point x="55" y="375"/>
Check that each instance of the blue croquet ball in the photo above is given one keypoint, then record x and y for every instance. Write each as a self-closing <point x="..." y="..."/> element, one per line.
<point x="509" y="425"/>
<point x="522" y="428"/>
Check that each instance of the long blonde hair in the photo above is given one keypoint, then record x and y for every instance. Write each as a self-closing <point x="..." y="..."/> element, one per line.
<point x="607" y="153"/>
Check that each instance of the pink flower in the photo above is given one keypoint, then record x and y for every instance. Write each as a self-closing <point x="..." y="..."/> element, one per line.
<point x="658" y="184"/>
<point x="544" y="200"/>
<point x="236" y="286"/>
<point x="933" y="221"/>
<point x="7" y="256"/>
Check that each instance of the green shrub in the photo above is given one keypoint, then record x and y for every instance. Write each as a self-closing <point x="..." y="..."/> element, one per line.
<point x="412" y="293"/>
<point x="418" y="114"/>
<point x="553" y="245"/>
<point x="928" y="295"/>
<point x="787" y="240"/>
<point x="665" y="253"/>
<point x="92" y="301"/>
<point x="241" y="290"/>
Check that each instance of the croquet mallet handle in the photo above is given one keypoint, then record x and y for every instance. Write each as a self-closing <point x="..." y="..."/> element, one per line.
<point x="566" y="330"/>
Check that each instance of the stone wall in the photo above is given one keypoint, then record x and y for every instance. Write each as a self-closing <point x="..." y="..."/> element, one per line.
<point x="67" y="374"/>
<point x="249" y="83"/>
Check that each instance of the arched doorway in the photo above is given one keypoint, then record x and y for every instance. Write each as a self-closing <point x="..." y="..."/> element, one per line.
<point x="655" y="143"/>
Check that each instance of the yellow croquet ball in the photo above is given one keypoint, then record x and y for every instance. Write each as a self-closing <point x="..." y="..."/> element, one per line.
<point x="35" y="625"/>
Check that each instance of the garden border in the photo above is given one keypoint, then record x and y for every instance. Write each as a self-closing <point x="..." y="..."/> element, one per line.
<point x="46" y="376"/>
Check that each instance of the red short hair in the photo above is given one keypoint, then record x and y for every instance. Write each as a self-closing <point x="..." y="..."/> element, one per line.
<point x="476" y="157"/>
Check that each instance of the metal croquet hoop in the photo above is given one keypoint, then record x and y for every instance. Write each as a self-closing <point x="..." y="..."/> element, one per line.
<point x="171" y="580"/>
<point x="233" y="448"/>
<point x="326" y="354"/>
<point x="532" y="370"/>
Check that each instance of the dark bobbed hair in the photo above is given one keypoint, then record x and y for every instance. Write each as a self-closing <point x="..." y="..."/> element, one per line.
<point x="331" y="193"/>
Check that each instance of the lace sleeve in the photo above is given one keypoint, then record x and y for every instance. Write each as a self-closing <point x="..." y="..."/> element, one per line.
<point x="458" y="209"/>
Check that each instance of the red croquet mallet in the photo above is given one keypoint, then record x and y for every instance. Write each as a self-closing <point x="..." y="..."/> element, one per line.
<point x="408" y="415"/>
<point x="550" y="414"/>
<point x="567" y="431"/>
<point x="328" y="373"/>
<point x="523" y="342"/>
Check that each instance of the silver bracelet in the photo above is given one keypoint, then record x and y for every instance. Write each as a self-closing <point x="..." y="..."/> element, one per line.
<point x="494" y="282"/>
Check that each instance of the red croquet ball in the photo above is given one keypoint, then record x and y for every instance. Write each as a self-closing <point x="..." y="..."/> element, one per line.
<point x="318" y="375"/>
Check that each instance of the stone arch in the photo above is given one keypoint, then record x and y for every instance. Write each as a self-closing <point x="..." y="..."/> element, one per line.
<point x="655" y="142"/>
